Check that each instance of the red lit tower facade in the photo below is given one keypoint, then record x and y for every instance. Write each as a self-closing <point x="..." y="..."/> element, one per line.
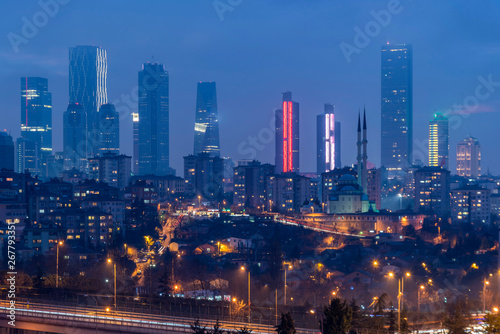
<point x="287" y="135"/>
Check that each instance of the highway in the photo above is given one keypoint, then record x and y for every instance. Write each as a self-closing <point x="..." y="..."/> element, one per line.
<point x="110" y="321"/>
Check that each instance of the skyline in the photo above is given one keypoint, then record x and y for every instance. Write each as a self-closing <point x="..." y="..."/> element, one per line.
<point x="248" y="93"/>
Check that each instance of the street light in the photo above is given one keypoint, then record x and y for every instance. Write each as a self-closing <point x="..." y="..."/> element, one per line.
<point x="289" y="267"/>
<point x="199" y="200"/>
<point x="57" y="263"/>
<point x="114" y="269"/>
<point x="484" y="295"/>
<point x="249" y="309"/>
<point x="418" y="297"/>
<point x="400" y="295"/>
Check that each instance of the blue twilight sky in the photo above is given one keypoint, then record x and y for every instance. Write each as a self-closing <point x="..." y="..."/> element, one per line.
<point x="256" y="49"/>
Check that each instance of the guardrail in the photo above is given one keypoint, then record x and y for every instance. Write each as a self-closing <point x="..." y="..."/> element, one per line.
<point x="133" y="322"/>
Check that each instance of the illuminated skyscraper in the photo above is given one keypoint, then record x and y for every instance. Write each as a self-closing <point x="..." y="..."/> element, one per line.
<point x="206" y="128"/>
<point x="135" y="158"/>
<point x="75" y="137"/>
<point x="328" y="141"/>
<point x="153" y="120"/>
<point x="438" y="141"/>
<point x="287" y="135"/>
<point x="87" y="86"/>
<point x="36" y="123"/>
<point x="109" y="129"/>
<point x="469" y="158"/>
<point x="397" y="106"/>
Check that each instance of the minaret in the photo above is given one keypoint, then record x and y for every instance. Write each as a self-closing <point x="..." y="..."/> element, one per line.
<point x="364" y="172"/>
<point x="359" y="150"/>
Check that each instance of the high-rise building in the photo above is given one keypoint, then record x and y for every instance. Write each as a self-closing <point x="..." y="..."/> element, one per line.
<point x="109" y="129"/>
<point x="112" y="169"/>
<point x="328" y="141"/>
<point x="432" y="191"/>
<point x="204" y="175"/>
<point x="6" y="151"/>
<point x="471" y="204"/>
<point x="36" y="121"/>
<point x="75" y="137"/>
<point x="206" y="128"/>
<point x="135" y="143"/>
<point x="287" y="136"/>
<point x="153" y="120"/>
<point x="397" y="107"/>
<point x="87" y="86"/>
<point x="469" y="158"/>
<point x="287" y="192"/>
<point x="438" y="141"/>
<point x="27" y="156"/>
<point x="250" y="183"/>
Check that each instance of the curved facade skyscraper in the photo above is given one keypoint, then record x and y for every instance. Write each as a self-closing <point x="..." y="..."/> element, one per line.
<point x="87" y="86"/>
<point x="206" y="128"/>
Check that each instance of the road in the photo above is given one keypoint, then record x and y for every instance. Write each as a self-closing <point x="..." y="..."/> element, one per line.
<point x="96" y="318"/>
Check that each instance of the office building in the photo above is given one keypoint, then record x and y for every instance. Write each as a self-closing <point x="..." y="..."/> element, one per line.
<point x="6" y="151"/>
<point x="88" y="70"/>
<point x="153" y="120"/>
<point x="397" y="107"/>
<point x="438" y="141"/>
<point x="28" y="156"/>
<point x="432" y="191"/>
<point x="109" y="129"/>
<point x="135" y="143"/>
<point x="36" y="122"/>
<point x="469" y="158"/>
<point x="287" y="136"/>
<point x="328" y="141"/>
<point x="206" y="128"/>
<point x="75" y="137"/>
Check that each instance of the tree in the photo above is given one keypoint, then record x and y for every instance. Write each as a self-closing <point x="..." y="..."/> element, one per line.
<point x="216" y="330"/>
<point x="286" y="326"/>
<point x="244" y="330"/>
<point x="197" y="328"/>
<point x="456" y="317"/>
<point x="337" y="317"/>
<point x="492" y="323"/>
<point x="392" y="321"/>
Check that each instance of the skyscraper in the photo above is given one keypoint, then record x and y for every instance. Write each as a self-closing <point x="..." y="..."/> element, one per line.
<point x="109" y="129"/>
<point x="87" y="86"/>
<point x="135" y="143"/>
<point x="36" y="122"/>
<point x="6" y="151"/>
<point x="75" y="137"/>
<point x="153" y="120"/>
<point x="328" y="141"/>
<point x="287" y="135"/>
<point x="438" y="141"/>
<point x="469" y="158"/>
<point x="397" y="106"/>
<point x="206" y="128"/>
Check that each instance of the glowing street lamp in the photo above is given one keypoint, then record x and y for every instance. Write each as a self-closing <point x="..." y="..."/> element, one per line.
<point x="484" y="295"/>
<point x="114" y="270"/>
<point x="249" y="309"/>
<point x="57" y="263"/>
